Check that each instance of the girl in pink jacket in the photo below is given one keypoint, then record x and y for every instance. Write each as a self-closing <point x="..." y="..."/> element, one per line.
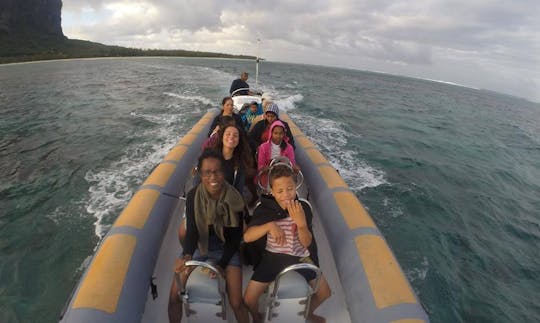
<point x="277" y="145"/>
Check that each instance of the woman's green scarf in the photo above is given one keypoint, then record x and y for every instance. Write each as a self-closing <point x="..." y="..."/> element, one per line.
<point x="219" y="213"/>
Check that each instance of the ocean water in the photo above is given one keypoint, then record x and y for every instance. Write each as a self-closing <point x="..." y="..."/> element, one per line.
<point x="451" y="175"/>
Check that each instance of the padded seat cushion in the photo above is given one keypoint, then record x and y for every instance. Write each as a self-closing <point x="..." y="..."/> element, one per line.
<point x="292" y="285"/>
<point x="202" y="289"/>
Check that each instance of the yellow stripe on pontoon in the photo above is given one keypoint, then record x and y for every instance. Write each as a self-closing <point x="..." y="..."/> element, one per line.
<point x="176" y="153"/>
<point x="187" y="140"/>
<point x="207" y="117"/>
<point x="352" y="210"/>
<point x="160" y="175"/>
<point x="304" y="142"/>
<point x="137" y="211"/>
<point x="198" y="127"/>
<point x="294" y="129"/>
<point x="331" y="177"/>
<point x="103" y="283"/>
<point x="316" y="156"/>
<point x="388" y="285"/>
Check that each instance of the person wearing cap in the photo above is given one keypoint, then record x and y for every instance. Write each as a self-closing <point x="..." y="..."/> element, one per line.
<point x="261" y="130"/>
<point x="266" y="98"/>
<point x="240" y="83"/>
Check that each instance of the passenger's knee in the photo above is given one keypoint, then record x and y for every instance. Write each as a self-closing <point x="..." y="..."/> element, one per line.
<point x="250" y="301"/>
<point x="324" y="292"/>
<point x="236" y="303"/>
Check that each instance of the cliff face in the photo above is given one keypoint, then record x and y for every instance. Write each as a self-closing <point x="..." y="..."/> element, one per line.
<point x="30" y="19"/>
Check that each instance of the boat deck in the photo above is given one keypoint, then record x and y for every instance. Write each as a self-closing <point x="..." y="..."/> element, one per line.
<point x="334" y="309"/>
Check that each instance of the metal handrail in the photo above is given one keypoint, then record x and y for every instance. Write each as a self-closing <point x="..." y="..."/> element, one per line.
<point x="272" y="303"/>
<point x="256" y="92"/>
<point x="280" y="160"/>
<point x="184" y="296"/>
<point x="238" y="90"/>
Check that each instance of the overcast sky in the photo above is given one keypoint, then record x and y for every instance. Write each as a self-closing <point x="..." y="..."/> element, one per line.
<point x="487" y="44"/>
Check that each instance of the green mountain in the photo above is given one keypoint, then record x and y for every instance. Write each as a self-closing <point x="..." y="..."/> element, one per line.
<point x="32" y="30"/>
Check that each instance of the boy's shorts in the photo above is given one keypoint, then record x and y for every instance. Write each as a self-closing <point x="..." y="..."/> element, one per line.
<point x="273" y="263"/>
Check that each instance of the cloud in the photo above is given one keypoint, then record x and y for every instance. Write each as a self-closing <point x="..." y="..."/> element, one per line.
<point x="493" y="39"/>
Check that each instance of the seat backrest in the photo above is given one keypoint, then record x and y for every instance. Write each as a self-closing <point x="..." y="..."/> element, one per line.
<point x="291" y="294"/>
<point x="200" y="289"/>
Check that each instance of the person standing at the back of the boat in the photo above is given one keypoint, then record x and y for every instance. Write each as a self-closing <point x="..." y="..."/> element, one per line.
<point x="227" y="109"/>
<point x="240" y="83"/>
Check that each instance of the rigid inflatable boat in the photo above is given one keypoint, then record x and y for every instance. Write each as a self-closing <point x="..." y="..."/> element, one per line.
<point x="129" y="277"/>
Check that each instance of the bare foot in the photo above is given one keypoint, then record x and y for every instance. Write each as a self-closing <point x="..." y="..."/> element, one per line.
<point x="314" y="318"/>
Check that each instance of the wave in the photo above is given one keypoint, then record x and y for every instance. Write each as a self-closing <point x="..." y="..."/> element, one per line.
<point x="450" y="83"/>
<point x="110" y="189"/>
<point x="289" y="102"/>
<point x="192" y="98"/>
<point x="331" y="139"/>
<point x="418" y="273"/>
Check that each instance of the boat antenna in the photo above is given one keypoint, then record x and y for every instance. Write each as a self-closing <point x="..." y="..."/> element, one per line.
<point x="257" y="63"/>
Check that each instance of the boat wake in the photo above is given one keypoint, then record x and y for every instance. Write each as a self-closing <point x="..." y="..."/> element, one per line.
<point x="418" y="273"/>
<point x="110" y="189"/>
<point x="332" y="140"/>
<point x="192" y="98"/>
<point x="289" y="103"/>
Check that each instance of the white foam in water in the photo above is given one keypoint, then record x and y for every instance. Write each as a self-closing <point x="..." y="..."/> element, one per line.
<point x="418" y="273"/>
<point x="111" y="189"/>
<point x="192" y="98"/>
<point x="331" y="140"/>
<point x="450" y="83"/>
<point x="288" y="103"/>
<point x="167" y="119"/>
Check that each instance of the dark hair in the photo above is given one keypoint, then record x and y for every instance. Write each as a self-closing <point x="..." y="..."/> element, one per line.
<point x="242" y="156"/>
<point x="224" y="121"/>
<point x="225" y="99"/>
<point x="283" y="143"/>
<point x="279" y="171"/>
<point x="244" y="108"/>
<point x="207" y="154"/>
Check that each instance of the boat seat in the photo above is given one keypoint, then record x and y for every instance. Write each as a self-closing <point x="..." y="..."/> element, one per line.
<point x="203" y="294"/>
<point x="292" y="285"/>
<point x="290" y="294"/>
<point x="201" y="288"/>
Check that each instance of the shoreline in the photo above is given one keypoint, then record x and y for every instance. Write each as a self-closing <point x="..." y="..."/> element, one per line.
<point x="116" y="57"/>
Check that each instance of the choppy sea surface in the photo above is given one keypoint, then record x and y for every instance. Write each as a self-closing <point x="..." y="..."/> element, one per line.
<point x="451" y="175"/>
